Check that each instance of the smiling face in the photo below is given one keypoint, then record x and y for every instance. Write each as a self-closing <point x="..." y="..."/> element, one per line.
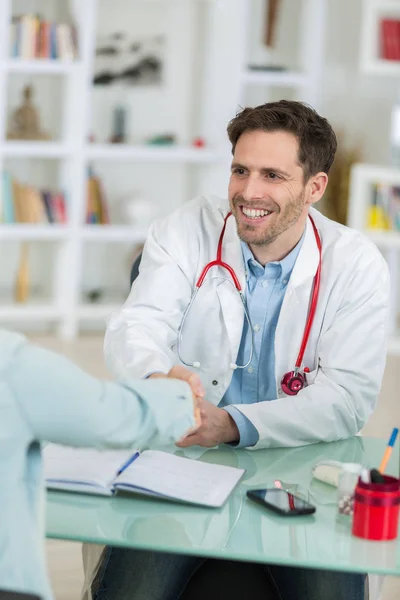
<point x="267" y="192"/>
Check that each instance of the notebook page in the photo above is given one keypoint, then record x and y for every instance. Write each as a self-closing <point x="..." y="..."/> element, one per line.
<point x="180" y="478"/>
<point x="82" y="465"/>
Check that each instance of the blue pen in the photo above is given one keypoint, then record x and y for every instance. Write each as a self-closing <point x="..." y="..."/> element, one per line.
<point x="128" y="462"/>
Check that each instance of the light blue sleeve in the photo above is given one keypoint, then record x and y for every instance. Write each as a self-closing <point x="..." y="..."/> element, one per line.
<point x="63" y="404"/>
<point x="248" y="433"/>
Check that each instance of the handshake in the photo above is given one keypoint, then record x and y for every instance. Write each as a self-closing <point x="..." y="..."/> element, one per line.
<point x="214" y="425"/>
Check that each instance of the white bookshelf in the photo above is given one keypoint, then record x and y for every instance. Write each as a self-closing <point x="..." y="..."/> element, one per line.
<point x="370" y="62"/>
<point x="363" y="177"/>
<point x="73" y="154"/>
<point x="206" y="98"/>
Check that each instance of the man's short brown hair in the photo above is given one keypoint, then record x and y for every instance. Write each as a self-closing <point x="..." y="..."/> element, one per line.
<point x="316" y="138"/>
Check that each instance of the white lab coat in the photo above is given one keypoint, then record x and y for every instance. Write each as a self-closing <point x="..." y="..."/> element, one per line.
<point x="346" y="351"/>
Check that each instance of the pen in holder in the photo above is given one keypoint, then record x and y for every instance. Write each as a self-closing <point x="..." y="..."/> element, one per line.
<point x="376" y="502"/>
<point x="376" y="509"/>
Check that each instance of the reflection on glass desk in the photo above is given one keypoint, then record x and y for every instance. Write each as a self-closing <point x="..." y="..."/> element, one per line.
<point x="240" y="530"/>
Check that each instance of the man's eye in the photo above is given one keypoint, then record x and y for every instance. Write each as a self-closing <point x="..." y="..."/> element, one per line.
<point x="239" y="171"/>
<point x="272" y="176"/>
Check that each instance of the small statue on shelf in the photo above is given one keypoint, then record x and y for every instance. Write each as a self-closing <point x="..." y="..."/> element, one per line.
<point x="26" y="121"/>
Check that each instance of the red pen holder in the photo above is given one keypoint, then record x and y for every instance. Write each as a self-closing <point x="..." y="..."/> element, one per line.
<point x="376" y="509"/>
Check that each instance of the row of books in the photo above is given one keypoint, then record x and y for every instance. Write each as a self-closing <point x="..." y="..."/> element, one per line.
<point x="384" y="211"/>
<point x="32" y="37"/>
<point x="389" y="47"/>
<point x="26" y="204"/>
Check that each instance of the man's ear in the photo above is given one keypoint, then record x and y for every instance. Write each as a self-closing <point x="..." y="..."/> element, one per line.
<point x="317" y="186"/>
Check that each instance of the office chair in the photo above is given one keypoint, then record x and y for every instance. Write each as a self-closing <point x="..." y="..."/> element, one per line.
<point x="135" y="268"/>
<point x="9" y="595"/>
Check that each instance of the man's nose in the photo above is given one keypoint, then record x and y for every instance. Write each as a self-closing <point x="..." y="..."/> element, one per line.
<point x="253" y="189"/>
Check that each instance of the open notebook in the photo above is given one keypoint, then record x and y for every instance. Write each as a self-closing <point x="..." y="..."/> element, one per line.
<point x="151" y="473"/>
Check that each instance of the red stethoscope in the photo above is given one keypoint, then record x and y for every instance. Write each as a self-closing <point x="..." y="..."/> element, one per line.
<point x="291" y="382"/>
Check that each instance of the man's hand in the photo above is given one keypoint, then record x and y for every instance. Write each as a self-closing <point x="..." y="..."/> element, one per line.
<point x="217" y="427"/>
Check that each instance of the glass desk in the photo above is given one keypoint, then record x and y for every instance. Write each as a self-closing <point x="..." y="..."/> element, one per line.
<point x="240" y="530"/>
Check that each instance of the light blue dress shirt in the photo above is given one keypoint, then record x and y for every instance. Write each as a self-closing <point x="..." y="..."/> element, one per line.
<point x="265" y="290"/>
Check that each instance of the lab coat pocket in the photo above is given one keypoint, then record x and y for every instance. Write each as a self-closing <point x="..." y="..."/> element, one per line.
<point x="310" y="377"/>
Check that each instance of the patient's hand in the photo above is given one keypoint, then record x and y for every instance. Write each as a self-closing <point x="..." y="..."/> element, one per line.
<point x="180" y="372"/>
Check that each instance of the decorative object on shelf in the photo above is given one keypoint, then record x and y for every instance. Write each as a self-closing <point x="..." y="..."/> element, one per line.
<point x="25" y="123"/>
<point x="199" y="142"/>
<point x="137" y="211"/>
<point x="22" y="279"/>
<point x="336" y="197"/>
<point x="32" y="37"/>
<point x="389" y="39"/>
<point x="96" y="210"/>
<point x="166" y="139"/>
<point x="384" y="209"/>
<point x="95" y="295"/>
<point x="272" y="18"/>
<point x="267" y="68"/>
<point x="119" y="126"/>
<point x="121" y="57"/>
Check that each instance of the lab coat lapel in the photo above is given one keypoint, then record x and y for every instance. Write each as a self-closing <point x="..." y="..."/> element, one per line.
<point x="295" y="306"/>
<point x="231" y="305"/>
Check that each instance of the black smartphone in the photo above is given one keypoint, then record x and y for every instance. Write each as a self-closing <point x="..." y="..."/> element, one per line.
<point x="282" y="502"/>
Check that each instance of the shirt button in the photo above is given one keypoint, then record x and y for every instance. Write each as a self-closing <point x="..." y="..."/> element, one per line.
<point x="256" y="328"/>
<point x="215" y="382"/>
<point x="250" y="370"/>
<point x="284" y="281"/>
<point x="265" y="283"/>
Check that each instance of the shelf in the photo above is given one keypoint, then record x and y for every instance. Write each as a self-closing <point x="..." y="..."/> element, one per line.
<point x="179" y="154"/>
<point x="40" y="66"/>
<point x="384" y="239"/>
<point x="276" y="78"/>
<point x="29" y="312"/>
<point x="376" y="173"/>
<point x="34" y="149"/>
<point x="114" y="233"/>
<point x="96" y="312"/>
<point x="380" y="66"/>
<point x="25" y="231"/>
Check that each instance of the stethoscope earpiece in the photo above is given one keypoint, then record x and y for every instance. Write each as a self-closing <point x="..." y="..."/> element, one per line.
<point x="233" y="366"/>
<point x="196" y="365"/>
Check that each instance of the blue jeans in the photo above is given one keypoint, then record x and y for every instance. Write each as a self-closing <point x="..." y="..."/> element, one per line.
<point x="143" y="575"/>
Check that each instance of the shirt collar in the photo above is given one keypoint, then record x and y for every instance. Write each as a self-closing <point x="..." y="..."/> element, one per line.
<point x="286" y="264"/>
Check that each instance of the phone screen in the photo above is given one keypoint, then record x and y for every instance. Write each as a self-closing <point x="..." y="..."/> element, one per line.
<point x="281" y="500"/>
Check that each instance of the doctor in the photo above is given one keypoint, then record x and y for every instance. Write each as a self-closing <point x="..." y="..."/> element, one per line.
<point x="287" y="330"/>
<point x="266" y="383"/>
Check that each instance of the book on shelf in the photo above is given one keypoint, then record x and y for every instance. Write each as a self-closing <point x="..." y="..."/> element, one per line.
<point x="389" y="39"/>
<point x="96" y="211"/>
<point x="384" y="209"/>
<point x="33" y="37"/>
<point x="21" y="203"/>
